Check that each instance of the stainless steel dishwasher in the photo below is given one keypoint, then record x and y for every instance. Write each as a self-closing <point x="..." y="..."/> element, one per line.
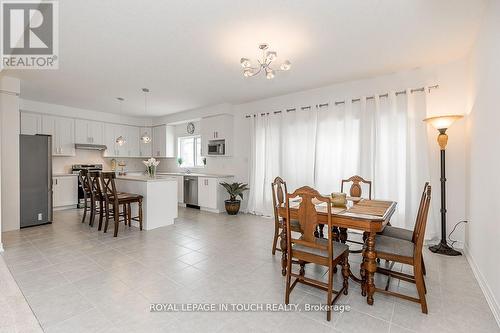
<point x="191" y="190"/>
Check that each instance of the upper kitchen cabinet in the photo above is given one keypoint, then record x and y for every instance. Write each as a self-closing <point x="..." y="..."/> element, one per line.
<point x="145" y="149"/>
<point x="131" y="145"/>
<point x="217" y="129"/>
<point x="31" y="123"/>
<point x="87" y="131"/>
<point x="163" y="141"/>
<point x="63" y="134"/>
<point x="131" y="135"/>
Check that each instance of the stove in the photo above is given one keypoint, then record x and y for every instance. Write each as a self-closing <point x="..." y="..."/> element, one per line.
<point x="76" y="170"/>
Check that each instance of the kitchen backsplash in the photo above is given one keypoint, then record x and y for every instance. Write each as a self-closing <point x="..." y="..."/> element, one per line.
<point x="62" y="164"/>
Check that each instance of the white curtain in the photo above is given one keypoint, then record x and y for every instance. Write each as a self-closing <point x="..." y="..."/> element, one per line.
<point x="382" y="139"/>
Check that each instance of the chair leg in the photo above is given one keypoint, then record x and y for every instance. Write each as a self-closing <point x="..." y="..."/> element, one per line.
<point x="423" y="267"/>
<point x="101" y="214"/>
<point x="345" y="273"/>
<point x="84" y="209"/>
<point x="288" y="280"/>
<point x="329" y="295"/>
<point x="140" y="215"/>
<point x="129" y="214"/>
<point x="275" y="239"/>
<point x="107" y="218"/>
<point x="419" y="281"/>
<point x="117" y="219"/>
<point x="302" y="268"/>
<point x="92" y="212"/>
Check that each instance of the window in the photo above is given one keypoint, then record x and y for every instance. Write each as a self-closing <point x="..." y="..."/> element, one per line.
<point x="189" y="150"/>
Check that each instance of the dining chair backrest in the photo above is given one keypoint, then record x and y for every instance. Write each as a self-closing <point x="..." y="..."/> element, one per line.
<point x="307" y="216"/>
<point x="95" y="181"/>
<point x="420" y="211"/>
<point x="85" y="181"/>
<point x="109" y="187"/>
<point x="356" y="190"/>
<point x="422" y="222"/>
<point x="279" y="191"/>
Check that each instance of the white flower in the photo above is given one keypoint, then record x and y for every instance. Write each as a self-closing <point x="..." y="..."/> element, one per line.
<point x="151" y="162"/>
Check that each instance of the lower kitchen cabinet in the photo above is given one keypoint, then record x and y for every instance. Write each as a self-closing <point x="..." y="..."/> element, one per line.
<point x="211" y="194"/>
<point x="65" y="191"/>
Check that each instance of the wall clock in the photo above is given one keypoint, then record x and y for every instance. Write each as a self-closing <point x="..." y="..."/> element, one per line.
<point x="190" y="128"/>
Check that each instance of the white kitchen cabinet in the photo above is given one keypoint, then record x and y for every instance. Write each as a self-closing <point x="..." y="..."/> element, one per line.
<point x="211" y="194"/>
<point x="218" y="127"/>
<point x="65" y="191"/>
<point x="131" y="146"/>
<point x="87" y="131"/>
<point x="111" y="132"/>
<point x="163" y="141"/>
<point x="145" y="149"/>
<point x="180" y="189"/>
<point x="63" y="134"/>
<point x="31" y="123"/>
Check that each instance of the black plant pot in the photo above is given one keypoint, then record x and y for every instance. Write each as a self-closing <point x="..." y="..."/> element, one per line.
<point x="232" y="206"/>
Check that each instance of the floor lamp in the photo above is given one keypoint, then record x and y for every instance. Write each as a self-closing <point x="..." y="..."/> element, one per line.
<point x="442" y="123"/>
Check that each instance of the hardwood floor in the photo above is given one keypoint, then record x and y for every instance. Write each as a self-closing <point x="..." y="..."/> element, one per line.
<point x="80" y="280"/>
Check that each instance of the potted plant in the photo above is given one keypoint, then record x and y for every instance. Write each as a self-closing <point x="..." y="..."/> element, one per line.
<point x="234" y="190"/>
<point x="179" y="161"/>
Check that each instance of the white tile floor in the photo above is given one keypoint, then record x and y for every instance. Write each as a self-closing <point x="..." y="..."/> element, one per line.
<point x="77" y="279"/>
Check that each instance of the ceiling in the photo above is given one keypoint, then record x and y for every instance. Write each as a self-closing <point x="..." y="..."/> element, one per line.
<point x="187" y="51"/>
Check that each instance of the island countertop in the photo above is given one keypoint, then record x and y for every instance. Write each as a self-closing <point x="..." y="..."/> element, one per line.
<point x="145" y="178"/>
<point x="194" y="174"/>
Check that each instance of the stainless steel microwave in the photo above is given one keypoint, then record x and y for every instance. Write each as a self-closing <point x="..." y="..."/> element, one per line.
<point x="217" y="147"/>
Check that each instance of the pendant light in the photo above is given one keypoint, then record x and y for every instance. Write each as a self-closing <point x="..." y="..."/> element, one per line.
<point x="145" y="138"/>
<point x="120" y="140"/>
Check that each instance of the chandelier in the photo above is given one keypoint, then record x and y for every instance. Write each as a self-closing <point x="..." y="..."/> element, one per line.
<point x="264" y="64"/>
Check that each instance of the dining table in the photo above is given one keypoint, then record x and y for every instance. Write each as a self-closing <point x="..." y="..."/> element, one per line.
<point x="367" y="216"/>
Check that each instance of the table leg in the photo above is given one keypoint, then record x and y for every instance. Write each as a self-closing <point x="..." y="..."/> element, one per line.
<point x="370" y="267"/>
<point x="283" y="245"/>
<point x="343" y="235"/>
<point x="362" y="274"/>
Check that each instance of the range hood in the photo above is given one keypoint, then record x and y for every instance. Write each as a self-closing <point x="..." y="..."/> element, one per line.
<point x="89" y="146"/>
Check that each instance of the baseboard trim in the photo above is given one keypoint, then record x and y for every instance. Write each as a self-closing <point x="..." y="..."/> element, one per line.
<point x="1" y="247"/>
<point x="488" y="294"/>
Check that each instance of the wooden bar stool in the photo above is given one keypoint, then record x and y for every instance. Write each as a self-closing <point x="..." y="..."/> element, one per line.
<point x="114" y="199"/>
<point x="99" y="201"/>
<point x="88" y="195"/>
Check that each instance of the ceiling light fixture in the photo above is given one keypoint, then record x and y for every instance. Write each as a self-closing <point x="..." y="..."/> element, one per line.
<point x="145" y="138"/>
<point x="120" y="140"/>
<point x="264" y="64"/>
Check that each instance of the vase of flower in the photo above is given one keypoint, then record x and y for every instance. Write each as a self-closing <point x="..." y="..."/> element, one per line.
<point x="151" y="165"/>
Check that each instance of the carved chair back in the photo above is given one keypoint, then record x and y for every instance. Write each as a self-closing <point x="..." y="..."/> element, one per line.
<point x="279" y="192"/>
<point x="355" y="190"/>
<point x="307" y="216"/>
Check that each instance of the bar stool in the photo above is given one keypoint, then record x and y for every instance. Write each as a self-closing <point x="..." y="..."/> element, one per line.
<point x="88" y="195"/>
<point x="99" y="201"/>
<point x="114" y="199"/>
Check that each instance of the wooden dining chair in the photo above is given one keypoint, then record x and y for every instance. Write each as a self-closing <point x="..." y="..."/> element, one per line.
<point x="407" y="234"/>
<point x="88" y="196"/>
<point x="309" y="249"/>
<point x="114" y="200"/>
<point x="408" y="252"/>
<point x="356" y="191"/>
<point x="279" y="191"/>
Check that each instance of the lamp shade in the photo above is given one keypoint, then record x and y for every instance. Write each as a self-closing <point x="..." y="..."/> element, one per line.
<point x="442" y="122"/>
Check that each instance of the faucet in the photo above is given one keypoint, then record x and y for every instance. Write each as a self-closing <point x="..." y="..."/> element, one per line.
<point x="187" y="172"/>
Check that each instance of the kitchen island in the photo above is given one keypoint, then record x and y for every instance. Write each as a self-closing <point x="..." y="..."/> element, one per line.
<point x="160" y="197"/>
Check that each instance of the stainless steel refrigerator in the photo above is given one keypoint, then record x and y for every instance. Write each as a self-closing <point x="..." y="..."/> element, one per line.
<point x="36" y="179"/>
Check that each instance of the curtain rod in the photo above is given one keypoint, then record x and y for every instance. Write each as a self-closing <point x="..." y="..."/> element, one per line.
<point x="343" y="102"/>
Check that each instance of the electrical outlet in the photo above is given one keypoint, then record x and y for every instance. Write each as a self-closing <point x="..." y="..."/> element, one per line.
<point x="40" y="216"/>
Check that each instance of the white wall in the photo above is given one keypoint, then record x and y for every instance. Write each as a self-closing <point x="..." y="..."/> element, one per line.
<point x="9" y="164"/>
<point x="483" y="159"/>
<point x="450" y="98"/>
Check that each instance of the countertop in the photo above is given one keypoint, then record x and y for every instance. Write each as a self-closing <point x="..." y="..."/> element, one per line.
<point x="193" y="174"/>
<point x="57" y="174"/>
<point x="144" y="178"/>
